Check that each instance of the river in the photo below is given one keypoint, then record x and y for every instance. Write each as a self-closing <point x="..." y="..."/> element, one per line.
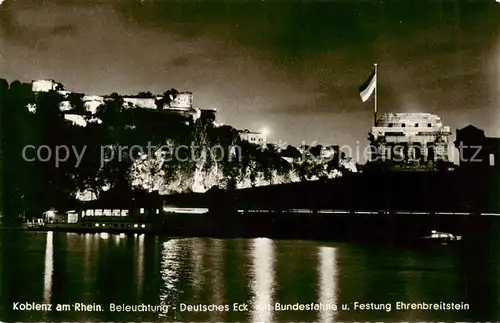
<point x="101" y="270"/>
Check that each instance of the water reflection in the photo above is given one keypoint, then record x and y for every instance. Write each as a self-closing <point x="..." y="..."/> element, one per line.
<point x="88" y="244"/>
<point x="216" y="265"/>
<point x="140" y="263"/>
<point x="257" y="271"/>
<point x="170" y="264"/>
<point x="262" y="285"/>
<point x="328" y="281"/>
<point x="198" y="250"/>
<point x="49" y="267"/>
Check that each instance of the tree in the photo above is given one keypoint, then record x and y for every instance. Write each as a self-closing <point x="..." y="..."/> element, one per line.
<point x="167" y="98"/>
<point x="170" y="95"/>
<point x="76" y="102"/>
<point x="145" y="95"/>
<point x="111" y="111"/>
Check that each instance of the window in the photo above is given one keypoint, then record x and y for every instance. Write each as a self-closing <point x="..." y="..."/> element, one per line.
<point x="416" y="125"/>
<point x="429" y="125"/>
<point x="390" y="125"/>
<point x="403" y="125"/>
<point x="141" y="210"/>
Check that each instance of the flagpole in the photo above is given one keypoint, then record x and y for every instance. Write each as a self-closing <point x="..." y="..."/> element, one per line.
<point x="375" y="108"/>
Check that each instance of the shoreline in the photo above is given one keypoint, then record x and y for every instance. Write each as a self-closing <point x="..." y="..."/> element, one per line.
<point x="392" y="230"/>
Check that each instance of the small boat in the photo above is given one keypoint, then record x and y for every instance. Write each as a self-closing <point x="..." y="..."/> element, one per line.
<point x="442" y="237"/>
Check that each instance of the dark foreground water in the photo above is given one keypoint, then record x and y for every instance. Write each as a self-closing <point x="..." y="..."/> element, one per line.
<point x="102" y="270"/>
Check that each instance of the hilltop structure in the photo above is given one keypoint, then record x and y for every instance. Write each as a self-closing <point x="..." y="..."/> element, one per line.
<point x="410" y="140"/>
<point x="46" y="86"/>
<point x="180" y="103"/>
<point x="256" y="138"/>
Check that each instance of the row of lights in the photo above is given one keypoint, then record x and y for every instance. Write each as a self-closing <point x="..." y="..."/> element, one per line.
<point x="135" y="225"/>
<point x="105" y="235"/>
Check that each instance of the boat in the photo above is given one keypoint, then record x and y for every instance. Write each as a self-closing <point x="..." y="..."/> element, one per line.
<point x="69" y="221"/>
<point x="441" y="237"/>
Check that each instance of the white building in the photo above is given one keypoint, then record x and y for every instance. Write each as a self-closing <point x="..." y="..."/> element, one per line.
<point x="410" y="137"/>
<point x="183" y="100"/>
<point x="256" y="138"/>
<point x="147" y="103"/>
<point x="46" y="86"/>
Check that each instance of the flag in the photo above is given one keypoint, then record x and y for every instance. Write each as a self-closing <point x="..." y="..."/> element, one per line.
<point x="366" y="90"/>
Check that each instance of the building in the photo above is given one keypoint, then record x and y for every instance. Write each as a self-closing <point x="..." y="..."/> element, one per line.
<point x="475" y="149"/>
<point x="53" y="216"/>
<point x="410" y="139"/>
<point x="256" y="138"/>
<point x="183" y="100"/>
<point x="141" y="102"/>
<point x="46" y="86"/>
<point x="179" y="104"/>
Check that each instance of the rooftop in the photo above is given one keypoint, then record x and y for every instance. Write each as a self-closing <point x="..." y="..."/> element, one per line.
<point x="249" y="132"/>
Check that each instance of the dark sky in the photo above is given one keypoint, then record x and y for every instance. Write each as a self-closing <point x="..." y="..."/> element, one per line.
<point x="292" y="66"/>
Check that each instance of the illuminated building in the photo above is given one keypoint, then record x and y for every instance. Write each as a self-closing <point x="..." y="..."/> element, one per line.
<point x="46" y="86"/>
<point x="410" y="139"/>
<point x="256" y="138"/>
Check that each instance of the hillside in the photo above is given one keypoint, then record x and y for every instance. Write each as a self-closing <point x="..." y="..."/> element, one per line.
<point x="60" y="149"/>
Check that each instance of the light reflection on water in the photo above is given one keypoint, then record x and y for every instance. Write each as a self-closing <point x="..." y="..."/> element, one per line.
<point x="140" y="263"/>
<point x="49" y="267"/>
<point x="217" y="271"/>
<point x="216" y="275"/>
<point x="87" y="254"/>
<point x="257" y="271"/>
<point x="262" y="285"/>
<point x="170" y="265"/>
<point x="198" y="268"/>
<point x="328" y="281"/>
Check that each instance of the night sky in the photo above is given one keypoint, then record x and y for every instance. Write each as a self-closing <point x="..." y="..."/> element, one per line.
<point x="292" y="66"/>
